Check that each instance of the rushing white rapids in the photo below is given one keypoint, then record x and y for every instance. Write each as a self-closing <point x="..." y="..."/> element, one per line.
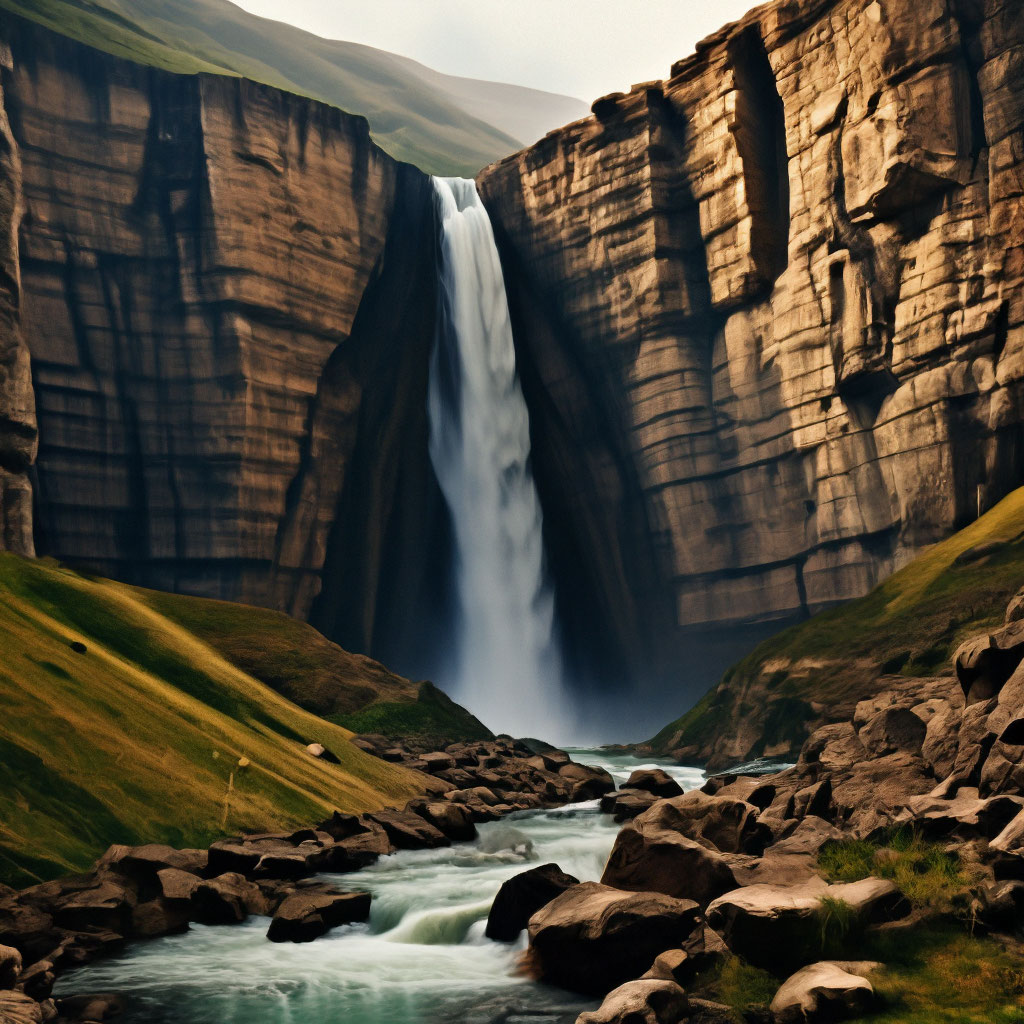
<point x="421" y="959"/>
<point x="507" y="668"/>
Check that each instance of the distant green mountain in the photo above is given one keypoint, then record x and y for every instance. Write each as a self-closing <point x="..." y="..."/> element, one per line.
<point x="443" y="124"/>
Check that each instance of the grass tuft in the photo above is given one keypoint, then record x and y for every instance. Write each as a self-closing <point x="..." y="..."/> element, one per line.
<point x="928" y="875"/>
<point x="839" y="926"/>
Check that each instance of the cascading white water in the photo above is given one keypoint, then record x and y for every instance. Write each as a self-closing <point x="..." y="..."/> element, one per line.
<point x="507" y="667"/>
<point x="421" y="959"/>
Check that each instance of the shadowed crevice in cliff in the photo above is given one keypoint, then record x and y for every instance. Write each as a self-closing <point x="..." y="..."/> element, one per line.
<point x="386" y="584"/>
<point x="614" y="606"/>
<point x="760" y="130"/>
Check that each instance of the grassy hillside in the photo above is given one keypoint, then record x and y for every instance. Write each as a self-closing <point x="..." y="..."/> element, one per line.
<point x="908" y="626"/>
<point x="134" y="738"/>
<point x="291" y="657"/>
<point x="439" y="123"/>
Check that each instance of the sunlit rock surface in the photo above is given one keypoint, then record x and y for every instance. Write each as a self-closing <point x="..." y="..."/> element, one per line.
<point x="768" y="316"/>
<point x="228" y="295"/>
<point x="772" y="312"/>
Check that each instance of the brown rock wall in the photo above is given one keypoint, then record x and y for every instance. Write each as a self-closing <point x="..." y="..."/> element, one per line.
<point x="195" y="252"/>
<point x="792" y="275"/>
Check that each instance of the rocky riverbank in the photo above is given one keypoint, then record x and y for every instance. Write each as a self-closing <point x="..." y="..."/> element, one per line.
<point x="148" y="891"/>
<point x="800" y="896"/>
<point x="904" y="823"/>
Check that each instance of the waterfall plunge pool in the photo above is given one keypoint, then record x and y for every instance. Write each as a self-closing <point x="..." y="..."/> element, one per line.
<point x="421" y="959"/>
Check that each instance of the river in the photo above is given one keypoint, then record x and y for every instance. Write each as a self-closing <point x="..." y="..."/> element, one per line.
<point x="421" y="959"/>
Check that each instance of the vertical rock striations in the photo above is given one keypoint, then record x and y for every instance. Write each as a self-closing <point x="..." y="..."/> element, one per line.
<point x="770" y="310"/>
<point x="769" y="320"/>
<point x="18" y="437"/>
<point x="198" y="255"/>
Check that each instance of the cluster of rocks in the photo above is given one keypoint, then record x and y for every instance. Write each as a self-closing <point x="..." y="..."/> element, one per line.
<point x="733" y="868"/>
<point x="152" y="890"/>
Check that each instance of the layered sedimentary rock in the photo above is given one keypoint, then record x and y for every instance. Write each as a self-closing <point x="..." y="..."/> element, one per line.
<point x="18" y="435"/>
<point x="768" y="314"/>
<point x="770" y="309"/>
<point x="202" y="267"/>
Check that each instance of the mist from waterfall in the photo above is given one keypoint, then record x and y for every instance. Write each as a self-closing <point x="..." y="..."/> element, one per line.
<point x="505" y="662"/>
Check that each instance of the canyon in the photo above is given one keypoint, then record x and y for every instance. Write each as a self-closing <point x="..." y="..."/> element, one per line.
<point x="768" y="319"/>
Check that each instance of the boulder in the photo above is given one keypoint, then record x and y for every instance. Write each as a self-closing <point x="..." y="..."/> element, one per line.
<point x="98" y="1006"/>
<point x="10" y="966"/>
<point x="825" y="991"/>
<point x="647" y="1001"/>
<point x="478" y="794"/>
<point x="343" y="826"/>
<point x="437" y="761"/>
<point x="586" y="783"/>
<point x="984" y="663"/>
<point x="160" y="917"/>
<point x="18" y="1008"/>
<point x="833" y="747"/>
<point x="522" y="896"/>
<point x="232" y="855"/>
<point x="306" y="915"/>
<point x="1011" y="839"/>
<point x="648" y="858"/>
<point x="777" y="927"/>
<point x="673" y="965"/>
<point x="142" y="863"/>
<point x="357" y="851"/>
<point x="966" y="816"/>
<point x="38" y="980"/>
<point x="408" y="831"/>
<point x="321" y="753"/>
<point x="177" y="885"/>
<point x="453" y="820"/>
<point x="104" y="906"/>
<point x="792" y="860"/>
<point x="814" y="800"/>
<point x="892" y="730"/>
<point x="654" y="780"/>
<point x="227" y="899"/>
<point x="940" y="742"/>
<point x="719" y="822"/>
<point x="1015" y="609"/>
<point x="869" y="795"/>
<point x="1001" y="906"/>
<point x="624" y="804"/>
<point x="593" y="937"/>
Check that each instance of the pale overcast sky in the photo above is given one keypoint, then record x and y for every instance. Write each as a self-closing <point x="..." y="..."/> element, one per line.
<point x="583" y="48"/>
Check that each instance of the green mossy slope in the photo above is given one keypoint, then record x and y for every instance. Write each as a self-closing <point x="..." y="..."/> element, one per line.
<point x="134" y="739"/>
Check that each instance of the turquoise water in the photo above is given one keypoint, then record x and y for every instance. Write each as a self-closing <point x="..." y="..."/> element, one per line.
<point x="421" y="959"/>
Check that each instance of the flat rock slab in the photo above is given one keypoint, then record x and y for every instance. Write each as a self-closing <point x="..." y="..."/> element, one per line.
<point x="776" y="926"/>
<point x="303" y="917"/>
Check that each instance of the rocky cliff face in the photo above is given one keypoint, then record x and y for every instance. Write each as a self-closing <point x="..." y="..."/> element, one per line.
<point x="768" y="314"/>
<point x="202" y="261"/>
<point x="771" y="310"/>
<point x="18" y="435"/>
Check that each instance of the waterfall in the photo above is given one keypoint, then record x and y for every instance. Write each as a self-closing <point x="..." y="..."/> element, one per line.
<point x="506" y="667"/>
